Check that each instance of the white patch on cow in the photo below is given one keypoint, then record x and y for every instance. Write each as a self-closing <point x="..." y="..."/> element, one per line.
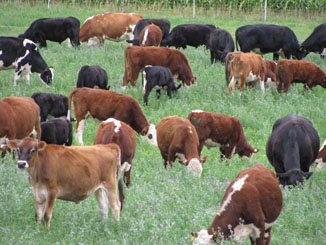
<point x="195" y="167"/>
<point x="103" y="202"/>
<point x="251" y="77"/>
<point x="144" y="82"/>
<point x="241" y="232"/>
<point x="27" y="70"/>
<point x="93" y="41"/>
<point x="116" y="122"/>
<point x="203" y="238"/>
<point x="322" y="146"/>
<point x="181" y="156"/>
<point x="268" y="225"/>
<point x="3" y="142"/>
<point x="237" y="186"/>
<point x="262" y="85"/>
<point x="197" y="111"/>
<point x="0" y="52"/>
<point x="151" y="131"/>
<point x="125" y="167"/>
<point x="21" y="58"/>
<point x="270" y="84"/>
<point x="80" y="130"/>
<point x="320" y="164"/>
<point x="27" y="41"/>
<point x="145" y="37"/>
<point x="232" y="84"/>
<point x="190" y="130"/>
<point x="257" y="51"/>
<point x="209" y="143"/>
<point x="89" y="18"/>
<point x="33" y="133"/>
<point x="324" y="52"/>
<point x="123" y="88"/>
<point x="281" y="52"/>
<point x="69" y="115"/>
<point x="23" y="162"/>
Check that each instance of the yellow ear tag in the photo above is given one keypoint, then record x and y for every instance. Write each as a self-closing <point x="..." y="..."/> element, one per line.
<point x="192" y="239"/>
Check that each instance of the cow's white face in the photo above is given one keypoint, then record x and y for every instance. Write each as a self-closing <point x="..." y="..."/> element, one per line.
<point x="151" y="135"/>
<point x="203" y="238"/>
<point x="195" y="167"/>
<point x="93" y="41"/>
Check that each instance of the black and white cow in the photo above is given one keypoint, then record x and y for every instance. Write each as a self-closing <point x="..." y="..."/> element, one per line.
<point x="164" y="25"/>
<point x="267" y="38"/>
<point x="53" y="29"/>
<point x="57" y="131"/>
<point x="92" y="77"/>
<point x="188" y="34"/>
<point x="292" y="147"/>
<point x="220" y="42"/>
<point x="157" y="77"/>
<point x="55" y="105"/>
<point x="316" y="42"/>
<point x="24" y="56"/>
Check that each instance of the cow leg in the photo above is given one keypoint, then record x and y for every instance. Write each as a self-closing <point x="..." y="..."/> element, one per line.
<point x="212" y="57"/>
<point x="146" y="92"/>
<point x="39" y="201"/>
<point x="267" y="236"/>
<point x="49" y="207"/>
<point x="242" y="83"/>
<point x="100" y="38"/>
<point x="229" y="151"/>
<point x="103" y="203"/>
<point x="17" y="77"/>
<point x="169" y="91"/>
<point x="171" y="155"/>
<point x="158" y="93"/>
<point x="114" y="201"/>
<point x="262" y="85"/>
<point x="80" y="129"/>
<point x="276" y="57"/>
<point x="127" y="177"/>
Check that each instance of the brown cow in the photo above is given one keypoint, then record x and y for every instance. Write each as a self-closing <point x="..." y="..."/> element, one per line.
<point x="223" y="131"/>
<point x="136" y="58"/>
<point x="299" y="71"/>
<point x="254" y="198"/>
<point x="102" y="104"/>
<point x="177" y="137"/>
<point x="321" y="157"/>
<point x="229" y="57"/>
<point x="120" y="133"/>
<point x="270" y="73"/>
<point x="151" y="35"/>
<point x="71" y="173"/>
<point x="247" y="68"/>
<point x="111" y="26"/>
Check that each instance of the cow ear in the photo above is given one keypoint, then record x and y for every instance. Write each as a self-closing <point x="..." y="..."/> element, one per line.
<point x="203" y="159"/>
<point x="41" y="145"/>
<point x="12" y="144"/>
<point x="144" y="131"/>
<point x="194" y="235"/>
<point x="256" y="150"/>
<point x="301" y="48"/>
<point x="308" y="174"/>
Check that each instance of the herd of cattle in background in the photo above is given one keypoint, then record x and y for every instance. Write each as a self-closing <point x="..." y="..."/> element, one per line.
<point x="292" y="147"/>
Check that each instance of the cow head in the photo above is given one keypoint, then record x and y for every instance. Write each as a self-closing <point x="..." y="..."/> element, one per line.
<point x="47" y="75"/>
<point x="300" y="53"/>
<point x="149" y="133"/>
<point x="194" y="165"/>
<point x="293" y="177"/>
<point x="202" y="237"/>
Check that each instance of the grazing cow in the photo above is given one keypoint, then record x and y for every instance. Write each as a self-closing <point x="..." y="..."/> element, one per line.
<point x="299" y="71"/>
<point x="321" y="157"/>
<point x="120" y="133"/>
<point x="229" y="57"/>
<point x="188" y="34"/>
<point x="157" y="77"/>
<point x="53" y="29"/>
<point x="151" y="35"/>
<point x="72" y="174"/>
<point x="223" y="131"/>
<point x="23" y="55"/>
<point x="316" y="42"/>
<point x="92" y="77"/>
<point x="57" y="131"/>
<point x="270" y="73"/>
<point x="250" y="207"/>
<point x="55" y="105"/>
<point x="101" y="104"/>
<point x="292" y="147"/>
<point x="163" y="24"/>
<point x="136" y="58"/>
<point x="111" y="26"/>
<point x="267" y="38"/>
<point x="177" y="138"/>
<point x="247" y="68"/>
<point x="220" y="42"/>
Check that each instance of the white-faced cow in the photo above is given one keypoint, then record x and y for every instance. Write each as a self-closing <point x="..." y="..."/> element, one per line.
<point x="71" y="173"/>
<point x="267" y="38"/>
<point x="92" y="77"/>
<point x="53" y="29"/>
<point x="120" y="133"/>
<point x="111" y="26"/>
<point x="151" y="35"/>
<point x="316" y="42"/>
<point x="100" y="105"/>
<point x="23" y="55"/>
<point x="229" y="57"/>
<point x="57" y="131"/>
<point x="177" y="138"/>
<point x="223" y="131"/>
<point x="291" y="149"/>
<point x="321" y="157"/>
<point x="250" y="206"/>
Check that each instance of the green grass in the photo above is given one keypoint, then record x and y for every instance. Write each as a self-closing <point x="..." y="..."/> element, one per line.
<point x="163" y="206"/>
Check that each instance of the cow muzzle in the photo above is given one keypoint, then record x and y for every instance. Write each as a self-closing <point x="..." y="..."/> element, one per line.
<point x="22" y="164"/>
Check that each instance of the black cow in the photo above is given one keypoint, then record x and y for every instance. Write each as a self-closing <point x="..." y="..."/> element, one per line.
<point x="92" y="76"/>
<point x="57" y="131"/>
<point x="188" y="34"/>
<point x="266" y="38"/>
<point x="23" y="55"/>
<point x="55" y="105"/>
<point x="220" y="42"/>
<point x="53" y="29"/>
<point x="316" y="42"/>
<point x="292" y="147"/>
<point x="157" y="77"/>
<point x="164" y="25"/>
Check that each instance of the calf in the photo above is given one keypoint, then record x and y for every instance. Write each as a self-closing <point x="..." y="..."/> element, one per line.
<point x="270" y="73"/>
<point x="120" y="133"/>
<point x="177" y="138"/>
<point x="92" y="77"/>
<point x="229" y="57"/>
<point x="291" y="149"/>
<point x="151" y="35"/>
<point x="321" y="157"/>
<point x="316" y="42"/>
<point x="55" y="105"/>
<point x="250" y="206"/>
<point x="72" y="174"/>
<point x="299" y="71"/>
<point x="101" y="104"/>
<point x="57" y="131"/>
<point x="53" y="29"/>
<point x="157" y="77"/>
<point x="223" y="131"/>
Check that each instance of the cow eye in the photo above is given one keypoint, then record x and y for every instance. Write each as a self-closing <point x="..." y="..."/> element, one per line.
<point x="150" y="136"/>
<point x="33" y="151"/>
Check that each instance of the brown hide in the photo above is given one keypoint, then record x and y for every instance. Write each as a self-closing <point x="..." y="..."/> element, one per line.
<point x="299" y="71"/>
<point x="321" y="157"/>
<point x="270" y="72"/>
<point x="229" y="57"/>
<point x="153" y="36"/>
<point x="136" y="58"/>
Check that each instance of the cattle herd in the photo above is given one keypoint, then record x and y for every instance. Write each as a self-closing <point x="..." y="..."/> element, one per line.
<point x="252" y="201"/>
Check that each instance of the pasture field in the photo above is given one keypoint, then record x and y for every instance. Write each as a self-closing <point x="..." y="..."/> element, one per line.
<point x="163" y="206"/>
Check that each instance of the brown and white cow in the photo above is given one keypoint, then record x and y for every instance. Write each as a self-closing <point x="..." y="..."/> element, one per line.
<point x="137" y="58"/>
<point x="71" y="173"/>
<point x="120" y="133"/>
<point x="151" y="35"/>
<point x="102" y="104"/>
<point x="111" y="26"/>
<point x="321" y="157"/>
<point x="177" y="138"/>
<point x="228" y="58"/>
<point x="223" y="131"/>
<point x="247" y="68"/>
<point x="299" y="71"/>
<point x="250" y="206"/>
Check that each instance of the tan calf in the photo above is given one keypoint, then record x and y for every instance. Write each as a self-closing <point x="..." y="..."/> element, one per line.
<point x="151" y="35"/>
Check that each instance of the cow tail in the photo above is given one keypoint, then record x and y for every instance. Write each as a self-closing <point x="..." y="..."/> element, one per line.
<point x="69" y="103"/>
<point x="119" y="179"/>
